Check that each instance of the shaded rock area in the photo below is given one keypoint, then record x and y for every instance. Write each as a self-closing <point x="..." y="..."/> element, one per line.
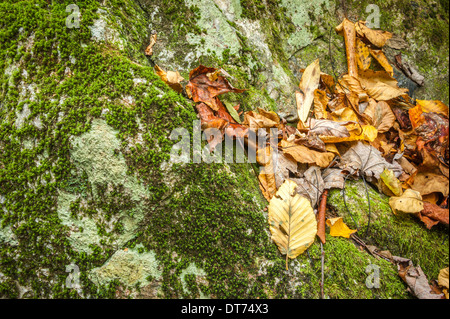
<point x="85" y="170"/>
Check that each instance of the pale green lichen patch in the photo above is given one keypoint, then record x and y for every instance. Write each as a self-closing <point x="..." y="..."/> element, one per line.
<point x="94" y="153"/>
<point x="129" y="267"/>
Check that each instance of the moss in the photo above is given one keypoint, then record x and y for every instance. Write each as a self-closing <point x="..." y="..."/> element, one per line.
<point x="402" y="235"/>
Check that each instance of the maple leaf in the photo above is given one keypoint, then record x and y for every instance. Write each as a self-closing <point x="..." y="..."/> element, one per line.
<point x="365" y="159"/>
<point x="338" y="228"/>
<point x="201" y="88"/>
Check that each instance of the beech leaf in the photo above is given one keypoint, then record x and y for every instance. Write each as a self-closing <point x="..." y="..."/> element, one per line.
<point x="409" y="202"/>
<point x="338" y="228"/>
<point x="292" y="221"/>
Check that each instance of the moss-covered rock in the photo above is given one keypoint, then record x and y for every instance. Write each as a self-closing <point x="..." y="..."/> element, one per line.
<point x="86" y="176"/>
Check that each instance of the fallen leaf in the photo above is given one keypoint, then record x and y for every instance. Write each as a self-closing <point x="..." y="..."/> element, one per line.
<point x="392" y="182"/>
<point x="255" y="120"/>
<point x="292" y="221"/>
<point x="433" y="106"/>
<point x="333" y="178"/>
<point x="435" y="213"/>
<point x="376" y="37"/>
<point x="153" y="38"/>
<point x="382" y="60"/>
<point x="443" y="280"/>
<point x="202" y="89"/>
<point x="338" y="228"/>
<point x="363" y="55"/>
<point x="311" y="185"/>
<point x="303" y="154"/>
<point x="380" y="85"/>
<point x="320" y="104"/>
<point x="415" y="278"/>
<point x="308" y="84"/>
<point x="328" y="128"/>
<point x="409" y="202"/>
<point x="234" y="114"/>
<point x="362" y="158"/>
<point x="172" y="79"/>
<point x="428" y="182"/>
<point x="381" y="114"/>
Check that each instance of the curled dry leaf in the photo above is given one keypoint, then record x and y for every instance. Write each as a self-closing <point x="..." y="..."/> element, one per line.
<point x="172" y="79"/>
<point x="377" y="38"/>
<point x="311" y="185"/>
<point x="415" y="278"/>
<point x="333" y="178"/>
<point x="153" y="38"/>
<point x="305" y="155"/>
<point x="432" y="214"/>
<point x="392" y="182"/>
<point x="409" y="202"/>
<point x="267" y="173"/>
<point x="292" y="221"/>
<point x="328" y="128"/>
<point x="308" y="84"/>
<point x="338" y="228"/>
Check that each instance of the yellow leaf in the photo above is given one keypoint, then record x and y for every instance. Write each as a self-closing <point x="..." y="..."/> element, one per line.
<point x="357" y="133"/>
<point x="308" y="84"/>
<point x="267" y="174"/>
<point x="292" y="221"/>
<point x="409" y="202"/>
<point x="391" y="182"/>
<point x="433" y="106"/>
<point x="338" y="228"/>
<point x="377" y="37"/>
<point x="343" y="115"/>
<point x="383" y="61"/>
<point x="443" y="280"/>
<point x="320" y="104"/>
<point x="363" y="55"/>
<point x="302" y="154"/>
<point x="263" y="119"/>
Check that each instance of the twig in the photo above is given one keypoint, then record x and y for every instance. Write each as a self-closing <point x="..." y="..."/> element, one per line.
<point x="323" y="266"/>
<point x="321" y="216"/>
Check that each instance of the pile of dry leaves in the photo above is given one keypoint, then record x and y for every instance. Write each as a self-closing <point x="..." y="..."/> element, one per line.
<point x="361" y="125"/>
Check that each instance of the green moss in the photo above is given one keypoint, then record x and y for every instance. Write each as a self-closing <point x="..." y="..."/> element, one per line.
<point x="402" y="235"/>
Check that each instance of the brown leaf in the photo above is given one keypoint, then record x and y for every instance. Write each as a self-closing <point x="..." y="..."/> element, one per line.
<point x="380" y="85"/>
<point x="149" y="49"/>
<point x="327" y="128"/>
<point x="320" y="105"/>
<point x="415" y="278"/>
<point x="428" y="182"/>
<point x="172" y="79"/>
<point x="363" y="55"/>
<point x="333" y="178"/>
<point x="303" y="154"/>
<point x="202" y="89"/>
<point x="435" y="213"/>
<point x="310" y="185"/>
<point x="366" y="159"/>
<point x="381" y="114"/>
